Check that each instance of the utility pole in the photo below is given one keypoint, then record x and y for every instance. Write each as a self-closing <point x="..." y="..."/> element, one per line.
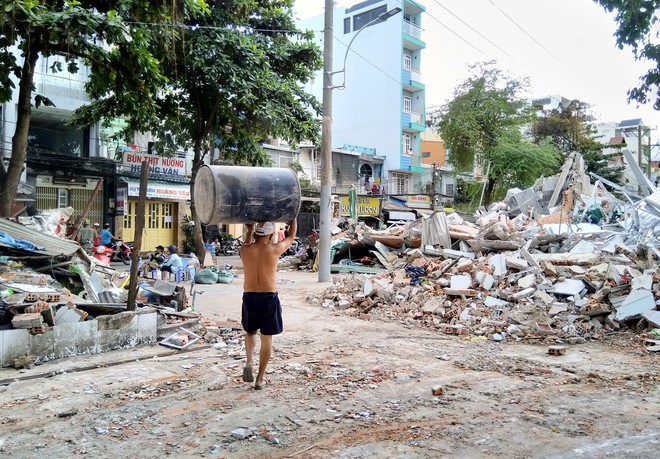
<point x="326" y="147"/>
<point x="434" y="184"/>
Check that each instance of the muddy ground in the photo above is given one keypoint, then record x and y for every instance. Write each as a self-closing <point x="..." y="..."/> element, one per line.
<point x="340" y="387"/>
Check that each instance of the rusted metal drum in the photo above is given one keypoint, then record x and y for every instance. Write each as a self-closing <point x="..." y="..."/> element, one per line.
<point x="236" y="194"/>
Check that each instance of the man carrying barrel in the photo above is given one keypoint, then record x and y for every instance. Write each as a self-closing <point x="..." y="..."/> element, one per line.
<point x="261" y="306"/>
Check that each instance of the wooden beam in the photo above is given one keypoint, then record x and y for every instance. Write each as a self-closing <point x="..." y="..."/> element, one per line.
<point x="137" y="242"/>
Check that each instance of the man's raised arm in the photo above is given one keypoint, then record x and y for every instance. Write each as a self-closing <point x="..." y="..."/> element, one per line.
<point x="250" y="234"/>
<point x="293" y="229"/>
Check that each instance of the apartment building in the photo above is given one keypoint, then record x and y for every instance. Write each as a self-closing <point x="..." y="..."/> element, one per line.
<point x="379" y="98"/>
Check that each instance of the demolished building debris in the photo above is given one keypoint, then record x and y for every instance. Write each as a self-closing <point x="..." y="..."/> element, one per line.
<point x="57" y="302"/>
<point x="565" y="260"/>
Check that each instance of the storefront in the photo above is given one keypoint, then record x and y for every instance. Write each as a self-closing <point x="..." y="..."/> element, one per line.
<point x="166" y="207"/>
<point x="168" y="198"/>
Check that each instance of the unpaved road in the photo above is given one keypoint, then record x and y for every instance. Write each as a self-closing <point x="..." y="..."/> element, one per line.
<point x="341" y="387"/>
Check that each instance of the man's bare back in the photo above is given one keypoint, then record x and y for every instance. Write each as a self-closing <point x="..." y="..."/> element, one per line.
<point x="260" y="259"/>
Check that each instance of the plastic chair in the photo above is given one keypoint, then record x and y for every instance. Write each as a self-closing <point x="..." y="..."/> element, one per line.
<point x="182" y="274"/>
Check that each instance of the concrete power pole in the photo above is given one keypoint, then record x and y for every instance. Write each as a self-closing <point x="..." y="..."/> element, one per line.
<point x="434" y="184"/>
<point x="326" y="148"/>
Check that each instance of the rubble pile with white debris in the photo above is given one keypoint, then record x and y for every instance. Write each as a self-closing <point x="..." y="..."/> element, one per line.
<point x="531" y="266"/>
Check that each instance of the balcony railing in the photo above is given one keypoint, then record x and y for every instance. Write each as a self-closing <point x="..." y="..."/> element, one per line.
<point x="415" y="118"/>
<point x="412" y="30"/>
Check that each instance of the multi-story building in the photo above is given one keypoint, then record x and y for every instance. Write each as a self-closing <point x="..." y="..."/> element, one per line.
<point x="84" y="169"/>
<point x="379" y="98"/>
<point x="632" y="135"/>
<point x="63" y="167"/>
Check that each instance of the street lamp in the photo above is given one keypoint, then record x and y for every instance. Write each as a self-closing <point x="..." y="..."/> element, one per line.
<point x="326" y="132"/>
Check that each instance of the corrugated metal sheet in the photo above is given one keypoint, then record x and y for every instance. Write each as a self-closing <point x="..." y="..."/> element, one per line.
<point x="54" y="245"/>
<point x="649" y="214"/>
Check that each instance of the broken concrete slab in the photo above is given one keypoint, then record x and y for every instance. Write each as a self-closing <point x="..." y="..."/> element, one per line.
<point x="652" y="317"/>
<point x="636" y="303"/>
<point x="568" y="287"/>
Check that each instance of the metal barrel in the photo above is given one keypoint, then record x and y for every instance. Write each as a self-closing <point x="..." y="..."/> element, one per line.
<point x="237" y="194"/>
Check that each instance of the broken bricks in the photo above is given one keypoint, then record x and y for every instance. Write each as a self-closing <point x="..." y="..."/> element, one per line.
<point x="556" y="350"/>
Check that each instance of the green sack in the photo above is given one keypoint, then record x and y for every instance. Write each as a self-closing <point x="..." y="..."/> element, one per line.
<point x="225" y="277"/>
<point x="206" y="276"/>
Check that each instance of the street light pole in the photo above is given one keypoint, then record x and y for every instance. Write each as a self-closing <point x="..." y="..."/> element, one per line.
<point x="326" y="148"/>
<point x="326" y="132"/>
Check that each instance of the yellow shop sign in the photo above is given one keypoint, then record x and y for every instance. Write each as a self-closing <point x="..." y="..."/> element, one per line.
<point x="365" y="206"/>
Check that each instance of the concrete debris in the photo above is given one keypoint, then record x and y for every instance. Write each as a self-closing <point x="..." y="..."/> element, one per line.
<point x="50" y="287"/>
<point x="564" y="261"/>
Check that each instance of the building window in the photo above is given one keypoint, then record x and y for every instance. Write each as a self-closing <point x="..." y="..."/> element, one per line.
<point x="407" y="104"/>
<point x="400" y="183"/>
<point x="362" y="19"/>
<point x="347" y="25"/>
<point x="366" y="171"/>
<point x="407" y="61"/>
<point x="281" y="158"/>
<point x="426" y="154"/>
<point x="449" y="189"/>
<point x="407" y="143"/>
<point x="62" y="198"/>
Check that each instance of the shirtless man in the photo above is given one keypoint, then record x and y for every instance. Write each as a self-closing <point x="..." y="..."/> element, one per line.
<point x="261" y="306"/>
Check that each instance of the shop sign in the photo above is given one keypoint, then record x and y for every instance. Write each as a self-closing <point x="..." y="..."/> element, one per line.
<point x="161" y="191"/>
<point x="365" y="206"/>
<point x="158" y="165"/>
<point x="419" y="201"/>
<point x="120" y="202"/>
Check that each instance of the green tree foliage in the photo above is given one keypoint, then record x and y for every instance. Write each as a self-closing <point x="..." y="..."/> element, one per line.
<point x="478" y="127"/>
<point x="236" y="76"/>
<point x="637" y="27"/>
<point x="569" y="129"/>
<point x="102" y="35"/>
<point x="516" y="161"/>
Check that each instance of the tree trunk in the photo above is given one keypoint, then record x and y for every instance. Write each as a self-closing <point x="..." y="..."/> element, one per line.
<point x="9" y="179"/>
<point x="200" y="250"/>
<point x="489" y="190"/>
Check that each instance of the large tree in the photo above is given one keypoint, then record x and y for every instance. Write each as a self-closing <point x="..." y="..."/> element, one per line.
<point x="236" y="79"/>
<point x="112" y="38"/>
<point x="569" y="128"/>
<point x="478" y="127"/>
<point x="637" y="27"/>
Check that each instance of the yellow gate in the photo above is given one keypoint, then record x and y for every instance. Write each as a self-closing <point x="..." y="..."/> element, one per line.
<point x="158" y="224"/>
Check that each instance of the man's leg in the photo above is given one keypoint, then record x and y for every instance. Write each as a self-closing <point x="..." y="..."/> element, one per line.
<point x="264" y="357"/>
<point x="250" y="343"/>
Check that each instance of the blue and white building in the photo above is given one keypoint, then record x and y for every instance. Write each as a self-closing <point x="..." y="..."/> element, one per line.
<point x="379" y="100"/>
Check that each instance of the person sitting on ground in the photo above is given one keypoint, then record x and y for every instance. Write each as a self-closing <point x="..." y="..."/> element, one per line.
<point x="86" y="237"/>
<point x="155" y="260"/>
<point x="106" y="236"/>
<point x="172" y="264"/>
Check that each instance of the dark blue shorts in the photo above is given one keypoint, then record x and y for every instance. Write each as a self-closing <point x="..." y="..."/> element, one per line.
<point x="262" y="311"/>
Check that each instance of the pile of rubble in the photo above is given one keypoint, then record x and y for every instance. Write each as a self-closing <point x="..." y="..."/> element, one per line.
<point x="527" y="267"/>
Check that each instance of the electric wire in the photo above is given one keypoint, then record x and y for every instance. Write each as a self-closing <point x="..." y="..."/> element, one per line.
<point x="525" y="32"/>
<point x="479" y="33"/>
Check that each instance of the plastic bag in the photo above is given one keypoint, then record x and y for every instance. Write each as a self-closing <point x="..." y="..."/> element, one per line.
<point x="225" y="277"/>
<point x="206" y="276"/>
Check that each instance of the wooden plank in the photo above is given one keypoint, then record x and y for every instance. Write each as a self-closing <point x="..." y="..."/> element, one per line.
<point x="137" y="243"/>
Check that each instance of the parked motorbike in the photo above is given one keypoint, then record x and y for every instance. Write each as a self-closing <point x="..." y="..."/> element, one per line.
<point x="231" y="246"/>
<point x="121" y="252"/>
<point x="296" y="248"/>
<point x="100" y="254"/>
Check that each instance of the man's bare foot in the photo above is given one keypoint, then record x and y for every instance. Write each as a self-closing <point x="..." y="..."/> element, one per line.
<point x="260" y="386"/>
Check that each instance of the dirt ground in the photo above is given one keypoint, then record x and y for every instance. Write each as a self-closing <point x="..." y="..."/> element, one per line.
<point x="340" y="387"/>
